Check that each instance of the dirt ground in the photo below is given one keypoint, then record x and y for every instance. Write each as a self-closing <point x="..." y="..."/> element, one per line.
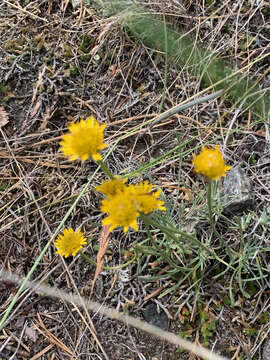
<point x="58" y="65"/>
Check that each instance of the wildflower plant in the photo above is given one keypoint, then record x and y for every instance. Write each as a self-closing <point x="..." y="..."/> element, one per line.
<point x="210" y="163"/>
<point x="186" y="257"/>
<point x="167" y="240"/>
<point x="124" y="203"/>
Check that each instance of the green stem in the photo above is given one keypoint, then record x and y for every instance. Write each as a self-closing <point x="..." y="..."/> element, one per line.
<point x="111" y="268"/>
<point x="211" y="217"/>
<point x="210" y="209"/>
<point x="170" y="231"/>
<point x="164" y="254"/>
<point x="105" y="169"/>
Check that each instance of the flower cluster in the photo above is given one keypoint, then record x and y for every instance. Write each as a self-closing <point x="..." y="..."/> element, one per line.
<point x="210" y="163"/>
<point x="124" y="203"/>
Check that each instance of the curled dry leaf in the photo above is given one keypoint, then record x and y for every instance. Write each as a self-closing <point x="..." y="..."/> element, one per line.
<point x="3" y="117"/>
<point x="103" y="245"/>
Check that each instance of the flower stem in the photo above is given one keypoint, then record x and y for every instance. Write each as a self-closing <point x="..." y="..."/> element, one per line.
<point x="210" y="209"/>
<point x="172" y="231"/>
<point x="211" y="220"/>
<point x="92" y="262"/>
<point x="105" y="169"/>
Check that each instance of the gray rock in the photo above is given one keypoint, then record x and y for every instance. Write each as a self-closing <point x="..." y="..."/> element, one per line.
<point x="153" y="317"/>
<point x="236" y="194"/>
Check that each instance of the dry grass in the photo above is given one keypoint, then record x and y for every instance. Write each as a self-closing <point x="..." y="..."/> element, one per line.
<point x="57" y="65"/>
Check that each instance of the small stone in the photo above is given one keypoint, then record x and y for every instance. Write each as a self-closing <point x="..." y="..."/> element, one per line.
<point x="236" y="191"/>
<point x="153" y="317"/>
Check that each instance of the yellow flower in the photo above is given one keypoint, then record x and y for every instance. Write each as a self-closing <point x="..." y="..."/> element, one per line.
<point x="70" y="242"/>
<point x="125" y="204"/>
<point x="121" y="211"/>
<point x="146" y="201"/>
<point x="112" y="187"/>
<point x="84" y="140"/>
<point x="210" y="163"/>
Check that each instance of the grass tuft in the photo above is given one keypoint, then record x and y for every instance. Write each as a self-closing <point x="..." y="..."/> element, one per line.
<point x="186" y="54"/>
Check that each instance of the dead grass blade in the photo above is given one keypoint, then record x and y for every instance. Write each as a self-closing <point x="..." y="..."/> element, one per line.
<point x="3" y="117"/>
<point x="104" y="241"/>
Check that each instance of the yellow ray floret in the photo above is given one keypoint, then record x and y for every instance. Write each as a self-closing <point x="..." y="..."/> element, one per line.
<point x="125" y="205"/>
<point x="84" y="140"/>
<point x="146" y="201"/>
<point x="112" y="187"/>
<point x="210" y="163"/>
<point x="121" y="211"/>
<point x="70" y="242"/>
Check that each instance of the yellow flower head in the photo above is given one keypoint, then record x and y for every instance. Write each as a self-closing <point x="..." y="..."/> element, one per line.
<point x="84" y="140"/>
<point x="210" y="163"/>
<point x="146" y="201"/>
<point x="121" y="211"/>
<point x="125" y="203"/>
<point x="112" y="187"/>
<point x="70" y="242"/>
